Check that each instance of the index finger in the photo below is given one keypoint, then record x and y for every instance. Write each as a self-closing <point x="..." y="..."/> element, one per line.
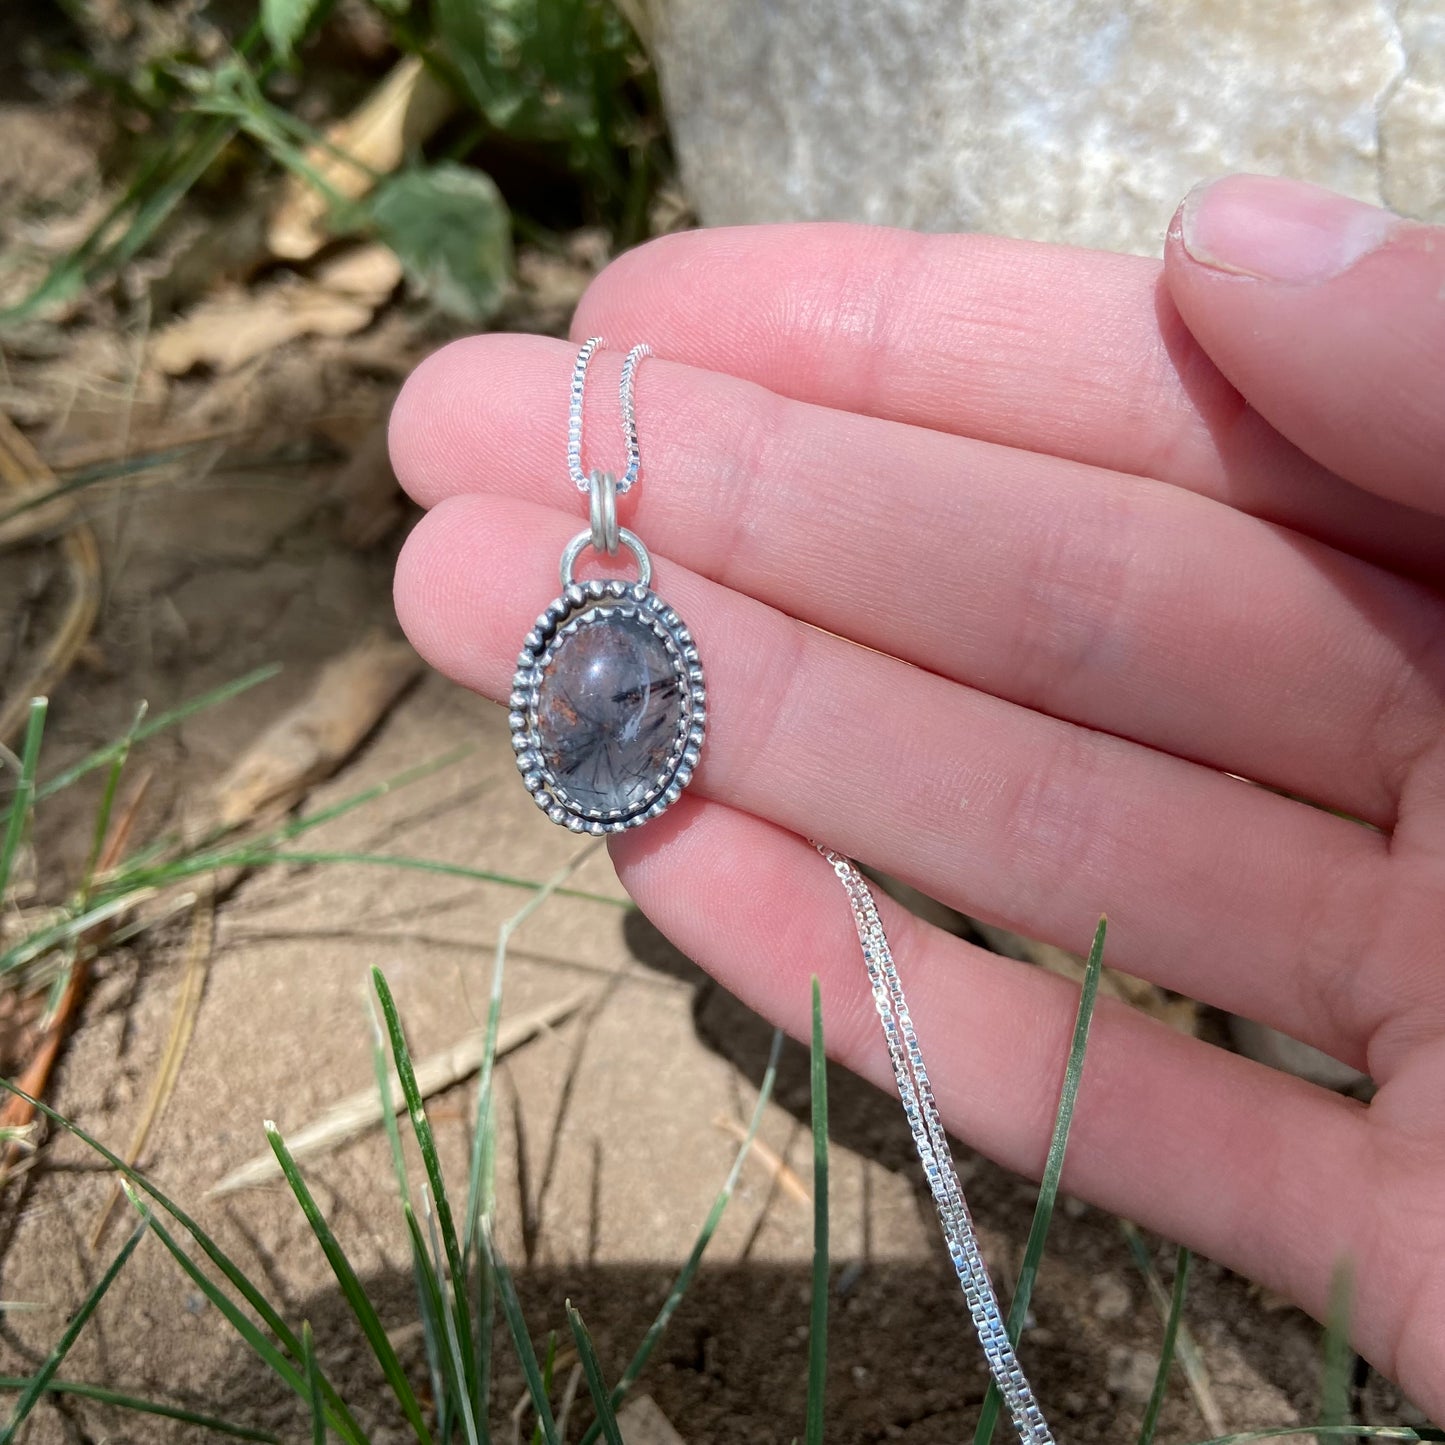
<point x="1075" y="353"/>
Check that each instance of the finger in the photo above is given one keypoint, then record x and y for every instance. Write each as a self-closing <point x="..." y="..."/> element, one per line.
<point x="1139" y="609"/>
<point x="1221" y="890"/>
<point x="1327" y="315"/>
<point x="1248" y="1166"/>
<point x="1079" y="354"/>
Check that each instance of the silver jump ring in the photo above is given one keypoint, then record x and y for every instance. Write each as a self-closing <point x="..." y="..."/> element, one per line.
<point x="580" y="543"/>
<point x="602" y="502"/>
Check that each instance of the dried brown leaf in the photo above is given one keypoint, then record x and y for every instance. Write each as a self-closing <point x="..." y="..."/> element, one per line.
<point x="227" y="331"/>
<point x="408" y="105"/>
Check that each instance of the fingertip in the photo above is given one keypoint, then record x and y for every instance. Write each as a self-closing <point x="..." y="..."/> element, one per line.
<point x="604" y="302"/>
<point x="416" y="590"/>
<point x="452" y="569"/>
<point x="460" y="401"/>
<point x="1323" y="312"/>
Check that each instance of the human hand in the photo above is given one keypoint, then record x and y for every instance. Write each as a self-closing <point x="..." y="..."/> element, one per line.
<point x="998" y="579"/>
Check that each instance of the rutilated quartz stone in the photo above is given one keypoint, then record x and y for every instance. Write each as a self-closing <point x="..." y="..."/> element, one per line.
<point x="608" y="708"/>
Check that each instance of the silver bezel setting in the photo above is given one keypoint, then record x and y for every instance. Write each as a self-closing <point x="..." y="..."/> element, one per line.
<point x="564" y="616"/>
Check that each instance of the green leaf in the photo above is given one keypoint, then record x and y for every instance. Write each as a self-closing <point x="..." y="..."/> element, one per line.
<point x="549" y="71"/>
<point x="38" y="1382"/>
<point x="818" y="1324"/>
<point x="596" y="1385"/>
<point x="1166" y="1350"/>
<point x="83" y="1390"/>
<point x="1053" y="1168"/>
<point x="451" y="232"/>
<point x="285" y="22"/>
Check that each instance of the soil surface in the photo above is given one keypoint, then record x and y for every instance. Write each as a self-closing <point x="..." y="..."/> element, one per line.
<point x="616" y="1127"/>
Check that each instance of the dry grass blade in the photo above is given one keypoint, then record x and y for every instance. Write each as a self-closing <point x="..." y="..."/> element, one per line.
<point x="183" y="1023"/>
<point x="778" y="1169"/>
<point x="1185" y="1349"/>
<point x="363" y="1110"/>
<point x="350" y="696"/>
<point x="24" y="472"/>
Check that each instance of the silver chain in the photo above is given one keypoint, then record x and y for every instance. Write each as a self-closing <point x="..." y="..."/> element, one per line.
<point x="934" y="1154"/>
<point x="629" y="415"/>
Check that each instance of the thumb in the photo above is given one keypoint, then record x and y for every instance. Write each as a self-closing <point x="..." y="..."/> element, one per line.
<point x="1328" y="315"/>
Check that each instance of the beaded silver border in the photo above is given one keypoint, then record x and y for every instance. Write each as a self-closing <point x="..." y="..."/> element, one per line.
<point x="562" y="619"/>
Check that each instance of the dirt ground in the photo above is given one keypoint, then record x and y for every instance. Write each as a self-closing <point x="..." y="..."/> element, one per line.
<point x="617" y="1126"/>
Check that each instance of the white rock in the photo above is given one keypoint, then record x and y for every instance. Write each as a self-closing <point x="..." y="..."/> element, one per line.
<point x="1082" y="121"/>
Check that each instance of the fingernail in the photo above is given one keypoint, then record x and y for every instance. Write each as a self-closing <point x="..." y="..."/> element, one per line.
<point x="1279" y="230"/>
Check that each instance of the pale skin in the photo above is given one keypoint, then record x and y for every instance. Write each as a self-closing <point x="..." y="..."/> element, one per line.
<point x="1009" y="564"/>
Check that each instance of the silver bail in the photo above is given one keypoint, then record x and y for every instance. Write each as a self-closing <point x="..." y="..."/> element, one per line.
<point x="602" y="506"/>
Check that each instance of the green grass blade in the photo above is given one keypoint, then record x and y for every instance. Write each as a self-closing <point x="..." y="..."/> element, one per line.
<point x="351" y="1288"/>
<point x="38" y="1382"/>
<point x="448" y="1326"/>
<point x="104" y="1395"/>
<point x="313" y="1385"/>
<point x="1185" y="1350"/>
<point x="709" y="1226"/>
<point x="23" y="798"/>
<point x="260" y="857"/>
<point x="27" y="950"/>
<point x="107" y="800"/>
<point x="419" y="1264"/>
<point x="342" y="1420"/>
<point x="479" y="1203"/>
<point x="596" y="1385"/>
<point x="264" y="1350"/>
<point x="1338" y="1362"/>
<point x="1182" y="1262"/>
<point x="448" y="1384"/>
<point x="102" y="757"/>
<point x="512" y="1310"/>
<point x="549" y="1365"/>
<point x="426" y="1142"/>
<point x="818" y="1324"/>
<point x="1053" y="1168"/>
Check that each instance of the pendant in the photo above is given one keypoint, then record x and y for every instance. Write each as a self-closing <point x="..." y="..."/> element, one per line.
<point x="608" y="707"/>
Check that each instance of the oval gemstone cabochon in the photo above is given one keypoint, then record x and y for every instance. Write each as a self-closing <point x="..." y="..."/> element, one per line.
<point x="609" y="706"/>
